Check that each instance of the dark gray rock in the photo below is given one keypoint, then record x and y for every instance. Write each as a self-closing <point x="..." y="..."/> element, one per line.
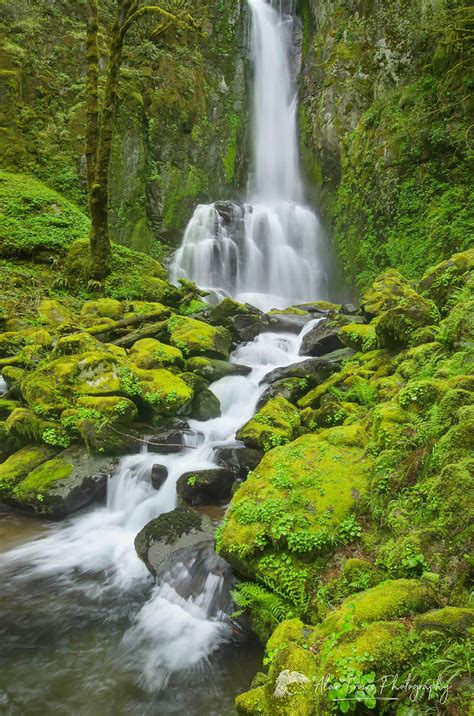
<point x="349" y="309"/>
<point x="320" y="340"/>
<point x="237" y="458"/>
<point x="314" y="370"/>
<point x="289" y="388"/>
<point x="213" y="369"/>
<point x="159" y="473"/>
<point x="247" y="327"/>
<point x="206" y="487"/>
<point x="205" y="406"/>
<point x="162" y="538"/>
<point x="166" y="442"/>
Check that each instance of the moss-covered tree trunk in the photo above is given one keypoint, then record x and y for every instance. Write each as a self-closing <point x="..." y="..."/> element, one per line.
<point x="100" y="116"/>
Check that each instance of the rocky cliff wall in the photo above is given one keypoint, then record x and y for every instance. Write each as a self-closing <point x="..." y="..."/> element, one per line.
<point x="181" y="129"/>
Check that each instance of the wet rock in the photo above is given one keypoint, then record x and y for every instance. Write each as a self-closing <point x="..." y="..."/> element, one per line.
<point x="349" y="309"/>
<point x="322" y="339"/>
<point x="315" y="370"/>
<point x="166" y="442"/>
<point x="159" y="473"/>
<point x="247" y="327"/>
<point x="213" y="369"/>
<point x="171" y="532"/>
<point x="206" y="487"/>
<point x="290" y="388"/>
<point x="64" y="484"/>
<point x="205" y="406"/>
<point x="239" y="459"/>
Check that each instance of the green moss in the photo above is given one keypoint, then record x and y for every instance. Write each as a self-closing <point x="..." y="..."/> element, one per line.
<point x="165" y="392"/>
<point x="22" y="462"/>
<point x="52" y="313"/>
<point x="452" y="621"/>
<point x="441" y="282"/>
<point x="149" y="353"/>
<point x="198" y="338"/>
<point x="391" y="599"/>
<point x="102" y="308"/>
<point x="358" y="336"/>
<point x="274" y="424"/>
<point x="35" y="219"/>
<point x="119" y="409"/>
<point x="33" y="488"/>
<point x="76" y="343"/>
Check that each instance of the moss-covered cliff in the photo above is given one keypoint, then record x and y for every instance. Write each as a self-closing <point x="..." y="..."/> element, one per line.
<point x="386" y="101"/>
<point x="180" y="134"/>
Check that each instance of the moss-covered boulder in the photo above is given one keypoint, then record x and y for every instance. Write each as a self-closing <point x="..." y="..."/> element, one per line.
<point x="221" y="314"/>
<point x="391" y="599"/>
<point x="22" y="462"/>
<point x="196" y="338"/>
<point x="386" y="292"/>
<point x="294" y="504"/>
<point x="148" y="353"/>
<point x="206" y="487"/>
<point x="206" y="405"/>
<point x="276" y="423"/>
<point x="441" y="281"/>
<point x="451" y="621"/>
<point x="360" y="336"/>
<point x="53" y="314"/>
<point x="395" y="326"/>
<point x="214" y="369"/>
<point x="169" y="533"/>
<point x="26" y="426"/>
<point x="102" y="308"/>
<point x="76" y="343"/>
<point x="164" y="391"/>
<point x="116" y="408"/>
<point x="63" y="484"/>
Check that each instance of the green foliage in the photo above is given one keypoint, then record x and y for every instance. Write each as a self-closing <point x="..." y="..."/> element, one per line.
<point x="256" y="598"/>
<point x="35" y="218"/>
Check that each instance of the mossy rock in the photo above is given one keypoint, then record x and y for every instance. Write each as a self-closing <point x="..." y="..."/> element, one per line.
<point x="196" y="338"/>
<point x="10" y="343"/>
<point x="26" y="426"/>
<point x="251" y="703"/>
<point x="289" y="689"/>
<point x="147" y="308"/>
<point x="296" y="500"/>
<point x="387" y="291"/>
<point x="53" y="314"/>
<point x="164" y="391"/>
<point x="92" y="373"/>
<point x="418" y="395"/>
<point x="102" y="308"/>
<point x="63" y="484"/>
<point x="206" y="405"/>
<point x="149" y="353"/>
<point x="276" y="423"/>
<point x="214" y="369"/>
<point x="170" y="532"/>
<point x="36" y="220"/>
<point x="22" y="462"/>
<point x="440" y="282"/>
<point x="457" y="329"/>
<point x="452" y="621"/>
<point x="395" y="326"/>
<point x="115" y="408"/>
<point x="219" y="315"/>
<point x="391" y="599"/>
<point x="391" y="425"/>
<point x="76" y="343"/>
<point x="359" y="336"/>
<point x="7" y="407"/>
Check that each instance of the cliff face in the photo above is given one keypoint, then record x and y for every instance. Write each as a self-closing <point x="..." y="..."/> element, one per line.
<point x="386" y="136"/>
<point x="181" y="131"/>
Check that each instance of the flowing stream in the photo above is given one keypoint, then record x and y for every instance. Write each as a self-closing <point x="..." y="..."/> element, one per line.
<point x="83" y="627"/>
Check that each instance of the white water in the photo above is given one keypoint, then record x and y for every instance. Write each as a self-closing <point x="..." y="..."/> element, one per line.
<point x="169" y="633"/>
<point x="269" y="250"/>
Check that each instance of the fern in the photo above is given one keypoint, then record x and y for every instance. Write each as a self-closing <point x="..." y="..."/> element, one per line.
<point x="254" y="597"/>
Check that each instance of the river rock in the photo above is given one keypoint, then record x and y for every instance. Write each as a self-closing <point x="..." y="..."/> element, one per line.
<point x="171" y="532"/>
<point x="205" y="406"/>
<point x="315" y="370"/>
<point x="206" y="487"/>
<point x="63" y="484"/>
<point x="166" y="442"/>
<point x="321" y="339"/>
<point x="213" y="369"/>
<point x="247" y="327"/>
<point x="238" y="458"/>
<point x="290" y="388"/>
<point x="159" y="473"/>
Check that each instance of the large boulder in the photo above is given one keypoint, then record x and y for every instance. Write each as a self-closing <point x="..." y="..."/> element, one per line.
<point x="321" y="339"/>
<point x="295" y="501"/>
<point x="440" y="282"/>
<point x="206" y="487"/>
<point x="275" y="424"/>
<point x="164" y="391"/>
<point x="19" y="464"/>
<point x="314" y="370"/>
<point x="148" y="353"/>
<point x="170" y="533"/>
<point x="196" y="338"/>
<point x="102" y="308"/>
<point x="63" y="484"/>
<point x="206" y="406"/>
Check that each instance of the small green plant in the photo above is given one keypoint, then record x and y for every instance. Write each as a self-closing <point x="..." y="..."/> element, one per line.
<point x="52" y="436"/>
<point x="349" y="530"/>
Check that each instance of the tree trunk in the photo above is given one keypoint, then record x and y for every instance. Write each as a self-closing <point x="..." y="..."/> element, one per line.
<point x="92" y="92"/>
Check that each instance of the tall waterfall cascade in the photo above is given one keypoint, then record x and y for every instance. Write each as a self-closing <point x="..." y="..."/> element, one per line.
<point x="267" y="251"/>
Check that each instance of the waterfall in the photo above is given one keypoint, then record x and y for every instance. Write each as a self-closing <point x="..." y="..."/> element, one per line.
<point x="267" y="251"/>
